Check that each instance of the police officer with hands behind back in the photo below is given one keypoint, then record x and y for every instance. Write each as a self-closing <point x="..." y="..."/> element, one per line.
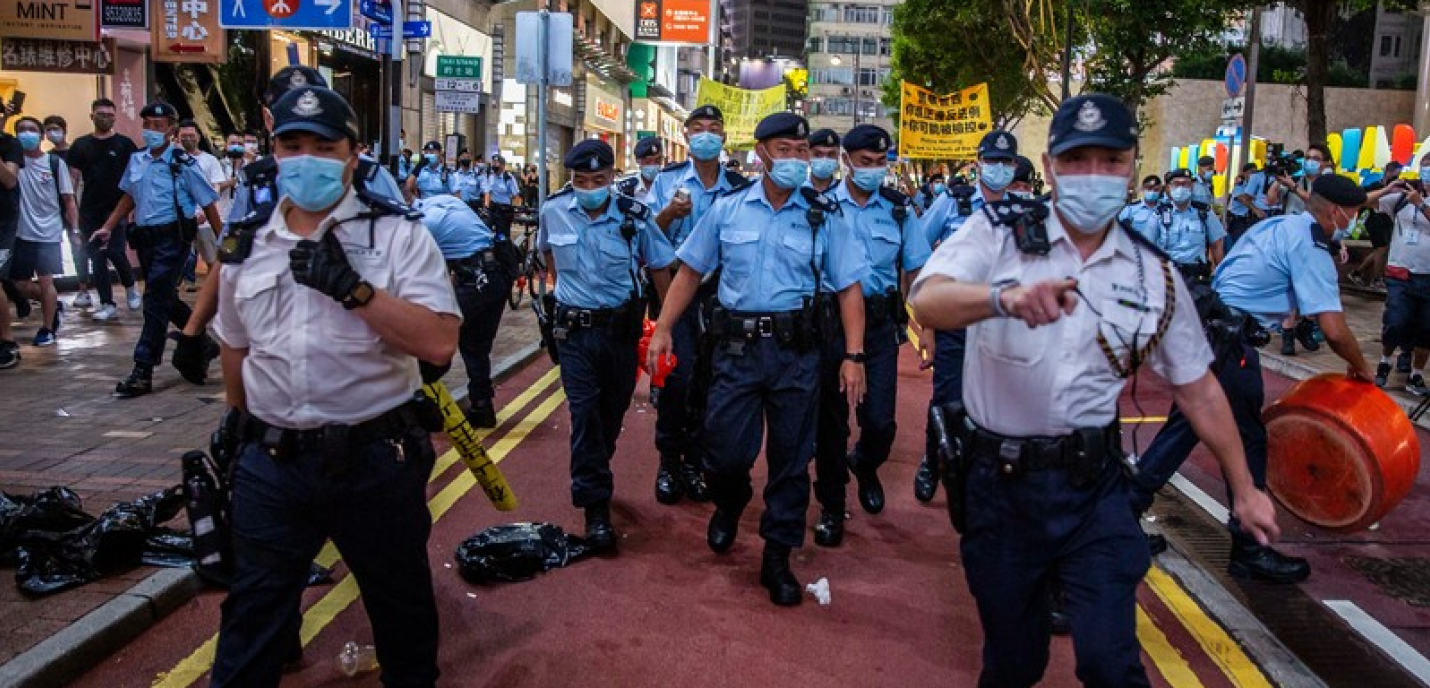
<point x="772" y="242"/>
<point x="595" y="242"/>
<point x="165" y="189"/>
<point x="882" y="219"/>
<point x="323" y="315"/>
<point x="1279" y="265"/>
<point x="1061" y="307"/>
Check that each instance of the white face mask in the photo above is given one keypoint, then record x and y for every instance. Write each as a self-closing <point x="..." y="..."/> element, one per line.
<point x="1088" y="202"/>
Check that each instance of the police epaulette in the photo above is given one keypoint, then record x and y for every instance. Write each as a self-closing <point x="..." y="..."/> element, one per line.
<point x="961" y="191"/>
<point x="561" y="191"/>
<point x="1137" y="237"/>
<point x="630" y="207"/>
<point x="894" y="196"/>
<point x="259" y="169"/>
<point x="736" y="180"/>
<point x="820" y="200"/>
<point x="1199" y="205"/>
<point x="381" y="205"/>
<point x="628" y="185"/>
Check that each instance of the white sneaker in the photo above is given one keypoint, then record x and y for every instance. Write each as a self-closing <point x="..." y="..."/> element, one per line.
<point x="106" y="312"/>
<point x="82" y="301"/>
<point x="135" y="302"/>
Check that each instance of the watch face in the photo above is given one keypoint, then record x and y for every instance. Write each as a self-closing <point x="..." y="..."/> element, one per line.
<point x="362" y="293"/>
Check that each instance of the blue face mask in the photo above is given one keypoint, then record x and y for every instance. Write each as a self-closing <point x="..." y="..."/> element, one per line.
<point x="938" y="189"/>
<point x="431" y="158"/>
<point x="823" y="168"/>
<point x="29" y="140"/>
<point x="1151" y="196"/>
<point x="235" y="150"/>
<point x="313" y="183"/>
<point x="706" y="146"/>
<point x="997" y="176"/>
<point x="788" y="173"/>
<point x="867" y="178"/>
<point x="649" y="171"/>
<point x="1181" y="194"/>
<point x="154" y="139"/>
<point x="591" y="199"/>
<point x="1311" y="167"/>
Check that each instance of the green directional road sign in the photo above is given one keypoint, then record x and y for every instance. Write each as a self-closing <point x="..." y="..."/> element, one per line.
<point x="459" y="67"/>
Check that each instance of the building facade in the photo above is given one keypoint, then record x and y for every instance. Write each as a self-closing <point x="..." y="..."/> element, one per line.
<point x="848" y="54"/>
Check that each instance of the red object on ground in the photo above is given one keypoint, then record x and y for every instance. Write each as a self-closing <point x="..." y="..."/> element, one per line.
<point x="1341" y="454"/>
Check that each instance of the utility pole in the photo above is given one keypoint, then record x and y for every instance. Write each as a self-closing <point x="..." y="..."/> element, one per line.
<point x="1253" y="49"/>
<point x="858" y="48"/>
<point x="1067" y="54"/>
<point x="392" y="88"/>
<point x="543" y="40"/>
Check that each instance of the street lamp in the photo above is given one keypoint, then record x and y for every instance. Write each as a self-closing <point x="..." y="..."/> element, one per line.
<point x="836" y="62"/>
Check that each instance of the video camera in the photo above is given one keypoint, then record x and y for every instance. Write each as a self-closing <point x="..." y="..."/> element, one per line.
<point x="1279" y="162"/>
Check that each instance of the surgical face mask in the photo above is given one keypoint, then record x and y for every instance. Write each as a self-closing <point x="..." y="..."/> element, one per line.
<point x="823" y="168"/>
<point x="1151" y="196"/>
<point x="102" y="123"/>
<point x="1088" y="202"/>
<point x="706" y="145"/>
<point x="648" y="172"/>
<point x="1206" y="175"/>
<point x="867" y="178"/>
<point x="431" y="158"/>
<point x="1021" y="195"/>
<point x="154" y="139"/>
<point x="937" y="188"/>
<point x="788" y="173"/>
<point x="29" y="140"/>
<point x="996" y="176"/>
<point x="56" y="136"/>
<point x="1311" y="167"/>
<point x="591" y="199"/>
<point x="235" y="151"/>
<point x="1181" y="194"/>
<point x="250" y="147"/>
<point x="313" y="183"/>
<point x="190" y="145"/>
<point x="1341" y="231"/>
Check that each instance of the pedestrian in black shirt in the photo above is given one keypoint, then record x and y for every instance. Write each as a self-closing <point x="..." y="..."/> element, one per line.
<point x="100" y="159"/>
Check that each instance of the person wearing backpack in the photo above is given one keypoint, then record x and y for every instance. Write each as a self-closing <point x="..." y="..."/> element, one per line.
<point x="1406" y="322"/>
<point x="47" y="213"/>
<point x="1188" y="231"/>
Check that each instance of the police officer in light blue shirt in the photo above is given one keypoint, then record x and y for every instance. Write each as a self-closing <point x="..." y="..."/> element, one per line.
<point x="165" y="190"/>
<point x="650" y="158"/>
<point x="1188" y="230"/>
<point x="1248" y="202"/>
<point x="596" y="241"/>
<point x="1202" y="181"/>
<point x="771" y="242"/>
<point x="1279" y="265"/>
<point x="431" y="177"/>
<point x="499" y="189"/>
<point x="1142" y="215"/>
<point x="883" y="220"/>
<point x="466" y="181"/>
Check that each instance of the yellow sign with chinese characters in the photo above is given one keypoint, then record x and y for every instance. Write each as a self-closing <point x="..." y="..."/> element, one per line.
<point x="942" y="127"/>
<point x="742" y="109"/>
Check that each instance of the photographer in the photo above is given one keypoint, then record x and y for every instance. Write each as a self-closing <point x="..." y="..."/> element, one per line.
<point x="1293" y="193"/>
<point x="1406" y="322"/>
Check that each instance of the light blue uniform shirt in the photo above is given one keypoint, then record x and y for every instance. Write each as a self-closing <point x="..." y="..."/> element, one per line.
<point x="1256" y="186"/>
<point x="502" y="187"/>
<point x="379" y="183"/>
<point x="765" y="255"/>
<point x="151" y="183"/>
<point x="1202" y="191"/>
<point x="942" y="218"/>
<point x="595" y="265"/>
<point x="430" y="183"/>
<point x="1143" y="218"/>
<point x="1186" y="237"/>
<point x="1276" y="267"/>
<point x="886" y="244"/>
<point x="466" y="184"/>
<point x="455" y="226"/>
<point x="701" y="198"/>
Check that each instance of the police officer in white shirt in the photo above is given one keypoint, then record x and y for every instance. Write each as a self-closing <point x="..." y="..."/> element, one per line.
<point x="1062" y="305"/>
<point x="324" y="310"/>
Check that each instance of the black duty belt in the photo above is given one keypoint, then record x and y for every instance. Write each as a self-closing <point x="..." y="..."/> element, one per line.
<point x="481" y="260"/>
<point x="286" y="442"/>
<point x="881" y="307"/>
<point x="170" y="227"/>
<point x="752" y="325"/>
<point x="571" y="317"/>
<point x="1018" y="454"/>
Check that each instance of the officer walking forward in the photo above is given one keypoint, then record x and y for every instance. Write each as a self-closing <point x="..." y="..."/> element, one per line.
<point x="1061" y="307"/>
<point x="771" y="242"/>
<point x="595" y="242"/>
<point x="324" y="311"/>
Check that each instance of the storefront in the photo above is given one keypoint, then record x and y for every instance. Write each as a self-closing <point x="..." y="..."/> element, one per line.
<point x="605" y="117"/>
<point x="349" y="61"/>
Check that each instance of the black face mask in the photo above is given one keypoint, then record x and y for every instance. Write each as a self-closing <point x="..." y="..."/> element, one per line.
<point x="464" y="164"/>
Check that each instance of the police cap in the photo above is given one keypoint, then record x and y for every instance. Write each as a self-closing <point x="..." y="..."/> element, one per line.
<point x="1023" y="172"/>
<point x="591" y="155"/>
<point x="159" y="108"/>
<point x="1206" y="161"/>
<point x="998" y="145"/>
<point x="867" y="137"/>
<point x="289" y="78"/>
<point x="709" y="112"/>
<point x="782" y="125"/>
<point x="1179" y="173"/>
<point x="1339" y="190"/>
<point x="824" y="137"/>
<point x="1092" y="120"/>
<point x="432" y="146"/>
<point x="497" y="159"/>
<point x="316" y="110"/>
<point x="649" y="145"/>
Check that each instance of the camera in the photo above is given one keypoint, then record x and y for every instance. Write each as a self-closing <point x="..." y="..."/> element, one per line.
<point x="1279" y="162"/>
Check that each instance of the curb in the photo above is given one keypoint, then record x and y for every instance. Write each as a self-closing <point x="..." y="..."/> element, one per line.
<point x="79" y="647"/>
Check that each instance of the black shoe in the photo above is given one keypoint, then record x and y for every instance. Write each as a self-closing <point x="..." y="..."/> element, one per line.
<point x="669" y="488"/>
<point x="871" y="491"/>
<point x="600" y="536"/>
<point x="1382" y="374"/>
<point x="775" y="575"/>
<point x="694" y="479"/>
<point x="9" y="354"/>
<point x="1251" y="560"/>
<point x="1156" y="543"/>
<point x="1402" y="362"/>
<point x="482" y="415"/>
<point x="925" y="481"/>
<point x="829" y="532"/>
<point x="723" y="528"/>
<point x="1288" y="345"/>
<point x="139" y="383"/>
<point x="1306" y="335"/>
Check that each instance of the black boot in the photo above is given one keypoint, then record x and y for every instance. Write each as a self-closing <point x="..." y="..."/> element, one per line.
<point x="1250" y="559"/>
<point x="925" y="481"/>
<point x="139" y="383"/>
<point x="776" y="576"/>
<point x="600" y="536"/>
<point x="871" y="491"/>
<point x="722" y="531"/>
<point x="694" y="479"/>
<point x="829" y="532"/>
<point x="482" y="415"/>
<point x="1288" y="345"/>
<point x="669" y="488"/>
<point x="1156" y="543"/>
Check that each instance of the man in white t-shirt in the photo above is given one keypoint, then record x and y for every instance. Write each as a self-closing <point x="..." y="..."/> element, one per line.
<point x="46" y="190"/>
<point x="206" y="244"/>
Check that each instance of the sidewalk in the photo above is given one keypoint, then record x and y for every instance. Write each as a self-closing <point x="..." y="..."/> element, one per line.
<point x="62" y="426"/>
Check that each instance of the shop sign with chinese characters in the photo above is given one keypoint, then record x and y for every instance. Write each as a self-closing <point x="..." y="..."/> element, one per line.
<point x="57" y="57"/>
<point x="187" y="31"/>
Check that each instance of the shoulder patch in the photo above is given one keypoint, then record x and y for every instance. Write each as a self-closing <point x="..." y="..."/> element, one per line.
<point x="736" y="180"/>
<point x="560" y="192"/>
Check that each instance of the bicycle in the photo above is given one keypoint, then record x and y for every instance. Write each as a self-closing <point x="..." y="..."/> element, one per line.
<point x="526" y="273"/>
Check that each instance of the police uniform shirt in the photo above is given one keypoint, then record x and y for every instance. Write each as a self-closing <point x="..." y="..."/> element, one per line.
<point x="595" y="265"/>
<point x="310" y="362"/>
<point x="701" y="198"/>
<point x="1144" y="218"/>
<point x="1201" y="191"/>
<point x="1050" y="380"/>
<point x="765" y="255"/>
<point x="1186" y="237"/>
<point x="502" y="187"/>
<point x="430" y="182"/>
<point x="456" y="228"/>
<point x="1275" y="262"/>
<point x="1410" y="242"/>
<point x="153" y="186"/>
<point x="1255" y="186"/>
<point x="467" y="184"/>
<point x="943" y="219"/>
<point x="887" y="246"/>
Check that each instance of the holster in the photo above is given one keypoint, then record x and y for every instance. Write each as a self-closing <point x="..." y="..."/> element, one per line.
<point x="950" y="435"/>
<point x="545" y="309"/>
<point x="1091" y="452"/>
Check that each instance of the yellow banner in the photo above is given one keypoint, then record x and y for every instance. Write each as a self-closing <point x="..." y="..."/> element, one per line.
<point x="942" y="127"/>
<point x="742" y="109"/>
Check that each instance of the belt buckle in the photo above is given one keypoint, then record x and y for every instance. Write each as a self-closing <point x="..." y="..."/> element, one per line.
<point x="584" y="318"/>
<point x="1010" y="458"/>
<point x="765" y="326"/>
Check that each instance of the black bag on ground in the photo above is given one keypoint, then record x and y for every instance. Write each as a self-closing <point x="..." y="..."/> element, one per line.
<point x="517" y="552"/>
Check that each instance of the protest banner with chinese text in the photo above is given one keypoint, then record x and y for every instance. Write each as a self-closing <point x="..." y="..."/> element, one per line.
<point x="743" y="109"/>
<point x="942" y="127"/>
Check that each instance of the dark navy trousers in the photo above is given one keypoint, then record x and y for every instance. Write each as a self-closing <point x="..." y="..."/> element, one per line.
<point x="875" y="416"/>
<point x="160" y="264"/>
<point x="948" y="353"/>
<point x="676" y="433"/>
<point x="598" y="372"/>
<point x="481" y="317"/>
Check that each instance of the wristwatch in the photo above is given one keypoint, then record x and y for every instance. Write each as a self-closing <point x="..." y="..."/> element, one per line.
<point x="856" y="357"/>
<point x="360" y="295"/>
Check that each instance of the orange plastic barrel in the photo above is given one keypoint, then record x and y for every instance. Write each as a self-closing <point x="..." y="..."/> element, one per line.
<point x="1341" y="454"/>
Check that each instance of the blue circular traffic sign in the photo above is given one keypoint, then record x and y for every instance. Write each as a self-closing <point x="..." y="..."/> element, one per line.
<point x="1235" y="75"/>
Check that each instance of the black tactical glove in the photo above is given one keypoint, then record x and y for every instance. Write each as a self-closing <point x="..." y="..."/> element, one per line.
<point x="192" y="356"/>
<point x="324" y="266"/>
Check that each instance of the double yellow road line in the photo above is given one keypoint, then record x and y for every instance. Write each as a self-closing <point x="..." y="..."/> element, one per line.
<point x="341" y="596"/>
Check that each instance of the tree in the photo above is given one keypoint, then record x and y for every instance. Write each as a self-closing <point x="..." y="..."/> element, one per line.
<point x="1320" y="16"/>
